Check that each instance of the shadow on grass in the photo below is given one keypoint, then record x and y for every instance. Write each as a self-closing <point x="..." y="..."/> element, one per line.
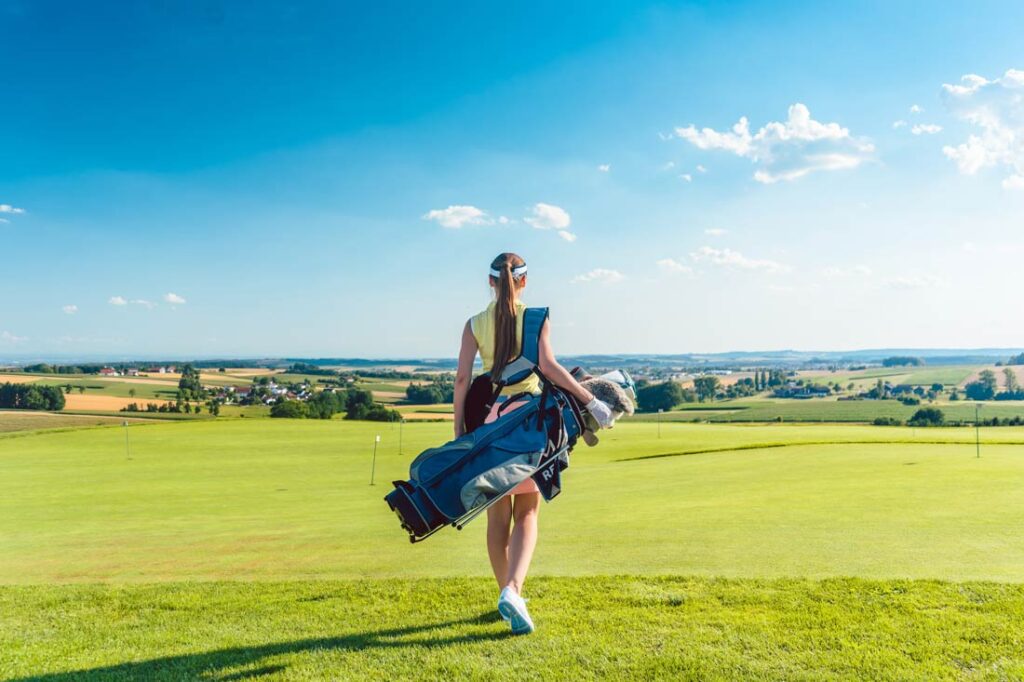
<point x="214" y="665"/>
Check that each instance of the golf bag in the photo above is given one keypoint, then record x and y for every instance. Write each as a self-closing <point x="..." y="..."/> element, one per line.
<point x="532" y="438"/>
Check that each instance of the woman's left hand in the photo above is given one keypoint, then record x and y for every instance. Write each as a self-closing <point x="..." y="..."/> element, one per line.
<point x="601" y="412"/>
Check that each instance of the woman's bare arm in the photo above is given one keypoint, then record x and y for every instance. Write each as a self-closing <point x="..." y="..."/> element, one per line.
<point x="557" y="374"/>
<point x="467" y="354"/>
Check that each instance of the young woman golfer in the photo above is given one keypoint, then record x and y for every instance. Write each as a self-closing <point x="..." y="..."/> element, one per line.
<point x="497" y="334"/>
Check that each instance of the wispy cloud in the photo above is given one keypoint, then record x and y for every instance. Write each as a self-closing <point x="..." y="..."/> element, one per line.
<point x="602" y="275"/>
<point x="735" y="259"/>
<point x="916" y="109"/>
<point x="70" y="309"/>
<point x="117" y="300"/>
<point x="686" y="177"/>
<point x="143" y="302"/>
<point x="701" y="169"/>
<point x="896" y="125"/>
<point x="908" y="282"/>
<point x="604" y="167"/>
<point x="716" y="231"/>
<point x="14" y="210"/>
<point x="457" y="216"/>
<point x="548" y="217"/>
<point x="786" y="151"/>
<point x="674" y="267"/>
<point x="174" y="299"/>
<point x="567" y="235"/>
<point x="8" y="337"/>
<point x="996" y="108"/>
<point x="925" y="129"/>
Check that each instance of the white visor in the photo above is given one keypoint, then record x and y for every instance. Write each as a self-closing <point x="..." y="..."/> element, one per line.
<point x="517" y="272"/>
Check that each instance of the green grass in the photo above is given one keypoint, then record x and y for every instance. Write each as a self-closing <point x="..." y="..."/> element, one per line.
<point x="952" y="375"/>
<point x="234" y="548"/>
<point x="284" y="500"/>
<point x="606" y="628"/>
<point x="25" y="420"/>
<point x="826" y="410"/>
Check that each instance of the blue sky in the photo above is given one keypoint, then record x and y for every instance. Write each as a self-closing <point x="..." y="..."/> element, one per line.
<point x="328" y="180"/>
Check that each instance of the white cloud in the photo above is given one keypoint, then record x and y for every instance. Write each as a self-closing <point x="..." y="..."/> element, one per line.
<point x="668" y="165"/>
<point x="70" y="309"/>
<point x="8" y="337"/>
<point x="567" y="236"/>
<point x="7" y="208"/>
<point x="925" y="129"/>
<point x="457" y="216"/>
<point x="996" y="107"/>
<point x="548" y="217"/>
<point x="117" y="300"/>
<point x="4" y="220"/>
<point x="686" y="177"/>
<point x="1013" y="182"/>
<point x="716" y="231"/>
<point x="174" y="299"/>
<point x="896" y="125"/>
<point x="143" y="302"/>
<point x="847" y="271"/>
<point x="604" y="167"/>
<point x="916" y="109"/>
<point x="672" y="266"/>
<point x="730" y="258"/>
<point x="701" y="169"/>
<point x="909" y="282"/>
<point x="600" y="275"/>
<point x="786" y="150"/>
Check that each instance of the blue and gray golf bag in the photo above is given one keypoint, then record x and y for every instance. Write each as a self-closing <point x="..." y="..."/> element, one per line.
<point x="454" y="483"/>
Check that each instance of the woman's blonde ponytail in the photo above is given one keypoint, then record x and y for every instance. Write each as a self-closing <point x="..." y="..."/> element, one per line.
<point x="505" y="287"/>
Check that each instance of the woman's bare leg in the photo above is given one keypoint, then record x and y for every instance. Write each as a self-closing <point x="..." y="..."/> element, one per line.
<point x="499" y="516"/>
<point x="525" y="510"/>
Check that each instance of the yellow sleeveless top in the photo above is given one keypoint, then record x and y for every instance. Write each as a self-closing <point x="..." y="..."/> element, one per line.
<point x="482" y="325"/>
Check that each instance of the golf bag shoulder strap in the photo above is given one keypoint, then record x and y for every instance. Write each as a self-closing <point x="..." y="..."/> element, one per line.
<point x="529" y="353"/>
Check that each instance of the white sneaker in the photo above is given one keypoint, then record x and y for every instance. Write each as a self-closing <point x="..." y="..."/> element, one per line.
<point x="512" y="608"/>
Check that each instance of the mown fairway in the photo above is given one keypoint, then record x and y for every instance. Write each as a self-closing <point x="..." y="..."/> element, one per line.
<point x="741" y="510"/>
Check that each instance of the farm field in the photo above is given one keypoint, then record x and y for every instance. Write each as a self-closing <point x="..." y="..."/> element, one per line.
<point x="825" y="410"/>
<point x="22" y="420"/>
<point x="256" y="547"/>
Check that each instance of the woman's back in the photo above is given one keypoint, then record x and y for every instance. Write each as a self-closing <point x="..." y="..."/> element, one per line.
<point x="484" y="331"/>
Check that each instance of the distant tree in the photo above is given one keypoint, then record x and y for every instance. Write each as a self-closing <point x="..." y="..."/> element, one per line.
<point x="131" y="392"/>
<point x="937" y="387"/>
<point x="288" y="409"/>
<point x="887" y="421"/>
<point x="379" y="413"/>
<point x="663" y="396"/>
<point x="189" y="384"/>
<point x="1011" y="383"/>
<point x="81" y="390"/>
<point x="1016" y="360"/>
<point x="67" y="389"/>
<point x="927" y="416"/>
<point x="978" y="390"/>
<point x="706" y="387"/>
<point x="902" y="361"/>
<point x="358" y="402"/>
<point x="988" y="377"/>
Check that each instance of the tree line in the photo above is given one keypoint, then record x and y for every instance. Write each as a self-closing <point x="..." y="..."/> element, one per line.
<point x="356" y="403"/>
<point x="31" y="397"/>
